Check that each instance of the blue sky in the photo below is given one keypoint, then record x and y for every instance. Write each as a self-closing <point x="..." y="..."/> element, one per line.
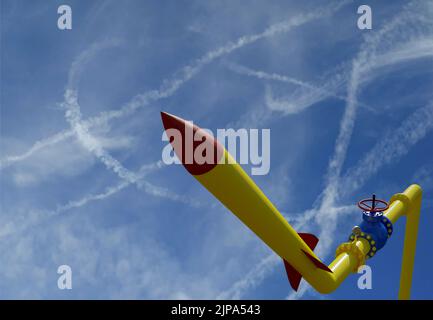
<point x="350" y="113"/>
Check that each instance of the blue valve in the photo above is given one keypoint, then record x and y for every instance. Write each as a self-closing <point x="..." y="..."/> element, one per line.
<point x="375" y="227"/>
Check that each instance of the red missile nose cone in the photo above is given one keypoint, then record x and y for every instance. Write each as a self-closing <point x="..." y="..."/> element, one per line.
<point x="198" y="150"/>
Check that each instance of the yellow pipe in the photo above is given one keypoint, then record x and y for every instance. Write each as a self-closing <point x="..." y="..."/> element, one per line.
<point x="410" y="202"/>
<point x="395" y="211"/>
<point x="352" y="256"/>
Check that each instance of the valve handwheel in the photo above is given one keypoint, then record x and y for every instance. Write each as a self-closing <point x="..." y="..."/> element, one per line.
<point x="371" y="205"/>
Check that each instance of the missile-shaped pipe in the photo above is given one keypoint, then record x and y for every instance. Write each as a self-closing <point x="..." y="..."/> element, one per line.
<point x="232" y="186"/>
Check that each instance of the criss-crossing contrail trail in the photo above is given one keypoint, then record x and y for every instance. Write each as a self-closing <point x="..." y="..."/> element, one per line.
<point x="300" y="100"/>
<point x="112" y="190"/>
<point x="171" y="85"/>
<point x="109" y="191"/>
<point x="243" y="70"/>
<point x="393" y="146"/>
<point x="328" y="90"/>
<point x="74" y="118"/>
<point x="23" y="224"/>
<point x="38" y="145"/>
<point x="310" y="95"/>
<point x="81" y="130"/>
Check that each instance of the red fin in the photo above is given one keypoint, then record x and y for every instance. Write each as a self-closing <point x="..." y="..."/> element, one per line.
<point x="316" y="262"/>
<point x="293" y="275"/>
<point x="310" y="239"/>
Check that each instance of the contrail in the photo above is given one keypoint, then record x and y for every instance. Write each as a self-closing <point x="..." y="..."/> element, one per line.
<point x="22" y="224"/>
<point x="393" y="146"/>
<point x="73" y="117"/>
<point x="252" y="278"/>
<point x="74" y="72"/>
<point x="171" y="85"/>
<point x="304" y="97"/>
<point x="25" y="223"/>
<point x="38" y="145"/>
<point x="243" y="70"/>
<point x="319" y="93"/>
<point x="109" y="191"/>
<point x="112" y="190"/>
<point x="296" y="103"/>
<point x="311" y="94"/>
